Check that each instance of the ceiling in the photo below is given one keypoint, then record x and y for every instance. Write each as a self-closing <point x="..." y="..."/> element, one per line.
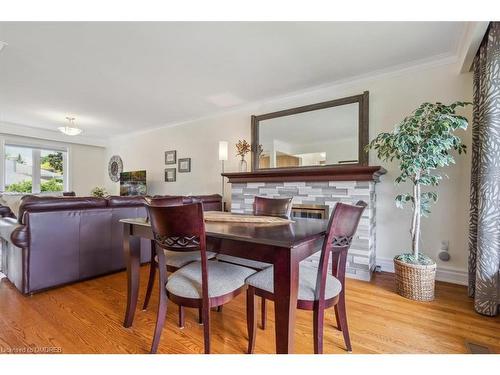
<point x="119" y="77"/>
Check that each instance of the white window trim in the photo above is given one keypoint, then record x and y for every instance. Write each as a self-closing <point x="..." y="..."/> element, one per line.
<point x="36" y="172"/>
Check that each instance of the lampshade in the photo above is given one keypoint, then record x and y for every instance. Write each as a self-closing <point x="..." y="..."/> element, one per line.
<point x="223" y="150"/>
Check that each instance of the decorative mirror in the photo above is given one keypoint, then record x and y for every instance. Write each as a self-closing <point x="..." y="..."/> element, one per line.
<point x="328" y="133"/>
<point x="115" y="167"/>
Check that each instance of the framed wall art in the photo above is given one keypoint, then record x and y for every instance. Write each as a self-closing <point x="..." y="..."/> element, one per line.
<point x="170" y="175"/>
<point x="184" y="165"/>
<point x="171" y="157"/>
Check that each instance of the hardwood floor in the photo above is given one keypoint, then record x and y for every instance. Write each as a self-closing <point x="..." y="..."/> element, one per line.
<point x="87" y="318"/>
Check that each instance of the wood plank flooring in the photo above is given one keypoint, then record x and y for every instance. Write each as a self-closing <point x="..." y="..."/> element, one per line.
<point x="87" y="318"/>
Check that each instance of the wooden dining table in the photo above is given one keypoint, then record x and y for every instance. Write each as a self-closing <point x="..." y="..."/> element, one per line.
<point x="282" y="245"/>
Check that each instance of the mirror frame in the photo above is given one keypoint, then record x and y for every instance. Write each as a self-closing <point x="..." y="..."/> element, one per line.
<point x="363" y="126"/>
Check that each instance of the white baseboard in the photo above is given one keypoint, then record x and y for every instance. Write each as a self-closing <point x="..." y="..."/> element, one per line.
<point x="449" y="275"/>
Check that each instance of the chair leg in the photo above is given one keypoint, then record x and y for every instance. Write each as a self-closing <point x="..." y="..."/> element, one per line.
<point x="251" y="319"/>
<point x="318" y="319"/>
<point x="181" y="316"/>
<point x="151" y="280"/>
<point x="337" y="318"/>
<point x="206" y="327"/>
<point x="340" y="312"/>
<point x="160" y="319"/>
<point x="263" y="313"/>
<point x="200" y="315"/>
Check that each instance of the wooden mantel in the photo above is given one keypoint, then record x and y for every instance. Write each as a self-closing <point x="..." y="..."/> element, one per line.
<point x="327" y="173"/>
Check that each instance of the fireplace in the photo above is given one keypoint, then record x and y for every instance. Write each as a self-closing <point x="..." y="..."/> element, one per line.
<point x="315" y="192"/>
<point x="310" y="211"/>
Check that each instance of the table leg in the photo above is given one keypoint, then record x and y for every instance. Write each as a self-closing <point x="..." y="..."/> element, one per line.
<point x="133" y="256"/>
<point x="286" y="277"/>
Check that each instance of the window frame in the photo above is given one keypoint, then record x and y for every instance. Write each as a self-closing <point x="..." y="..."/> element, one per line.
<point x="36" y="149"/>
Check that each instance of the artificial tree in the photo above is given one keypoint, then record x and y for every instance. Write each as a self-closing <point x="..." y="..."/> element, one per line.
<point x="422" y="143"/>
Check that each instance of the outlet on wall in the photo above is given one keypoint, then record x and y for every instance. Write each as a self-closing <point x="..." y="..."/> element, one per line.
<point x="445" y="244"/>
<point x="443" y="254"/>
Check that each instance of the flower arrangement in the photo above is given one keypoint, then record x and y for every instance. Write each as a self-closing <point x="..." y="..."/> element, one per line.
<point x="98" y="192"/>
<point x="242" y="148"/>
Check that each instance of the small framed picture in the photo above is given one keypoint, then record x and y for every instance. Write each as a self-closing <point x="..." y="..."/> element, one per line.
<point x="169" y="174"/>
<point x="184" y="165"/>
<point x="171" y="157"/>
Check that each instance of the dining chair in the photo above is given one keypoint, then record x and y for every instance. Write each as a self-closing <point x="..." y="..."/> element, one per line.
<point x="262" y="206"/>
<point x="174" y="260"/>
<point x="201" y="284"/>
<point x="317" y="289"/>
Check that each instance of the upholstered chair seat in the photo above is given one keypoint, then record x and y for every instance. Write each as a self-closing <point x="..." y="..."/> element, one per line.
<point x="308" y="276"/>
<point x="176" y="259"/>
<point x="223" y="278"/>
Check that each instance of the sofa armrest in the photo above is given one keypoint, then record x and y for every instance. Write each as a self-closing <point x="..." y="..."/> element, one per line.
<point x="20" y="236"/>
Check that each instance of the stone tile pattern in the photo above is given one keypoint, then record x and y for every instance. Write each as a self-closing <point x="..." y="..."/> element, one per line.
<point x="361" y="256"/>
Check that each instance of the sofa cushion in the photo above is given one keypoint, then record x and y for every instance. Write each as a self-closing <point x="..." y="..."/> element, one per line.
<point x="43" y="204"/>
<point x="125" y="201"/>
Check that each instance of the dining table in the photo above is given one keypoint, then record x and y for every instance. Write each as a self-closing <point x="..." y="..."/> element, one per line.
<point x="283" y="245"/>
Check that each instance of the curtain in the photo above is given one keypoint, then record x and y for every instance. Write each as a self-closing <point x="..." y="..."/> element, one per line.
<point x="484" y="235"/>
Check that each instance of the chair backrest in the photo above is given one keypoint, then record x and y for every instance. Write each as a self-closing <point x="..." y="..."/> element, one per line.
<point x="178" y="227"/>
<point x="341" y="229"/>
<point x="279" y="207"/>
<point x="181" y="228"/>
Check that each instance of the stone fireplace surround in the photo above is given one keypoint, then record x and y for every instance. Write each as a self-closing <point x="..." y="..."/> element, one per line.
<point x="324" y="186"/>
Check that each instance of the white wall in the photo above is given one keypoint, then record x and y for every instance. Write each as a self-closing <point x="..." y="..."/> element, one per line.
<point x="85" y="161"/>
<point x="392" y="96"/>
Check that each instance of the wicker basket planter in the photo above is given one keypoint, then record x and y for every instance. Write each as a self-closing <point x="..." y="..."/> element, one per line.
<point x="415" y="281"/>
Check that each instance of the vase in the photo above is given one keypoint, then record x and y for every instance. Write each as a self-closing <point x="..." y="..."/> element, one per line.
<point x="243" y="165"/>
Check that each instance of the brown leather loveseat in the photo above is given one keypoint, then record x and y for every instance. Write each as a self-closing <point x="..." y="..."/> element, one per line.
<point x="56" y="240"/>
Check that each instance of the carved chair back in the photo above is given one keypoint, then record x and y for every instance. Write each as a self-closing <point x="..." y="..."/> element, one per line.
<point x="279" y="207"/>
<point x="341" y="229"/>
<point x="178" y="227"/>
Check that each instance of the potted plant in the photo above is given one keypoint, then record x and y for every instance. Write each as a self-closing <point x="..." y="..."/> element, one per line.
<point x="98" y="192"/>
<point x="421" y="143"/>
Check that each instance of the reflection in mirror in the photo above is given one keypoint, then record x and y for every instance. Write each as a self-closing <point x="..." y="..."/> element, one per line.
<point x="320" y="137"/>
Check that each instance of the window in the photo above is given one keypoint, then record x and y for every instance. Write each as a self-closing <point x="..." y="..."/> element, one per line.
<point x="34" y="170"/>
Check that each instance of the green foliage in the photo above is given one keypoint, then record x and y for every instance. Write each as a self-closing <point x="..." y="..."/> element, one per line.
<point x="20" y="187"/>
<point x="54" y="184"/>
<point x="26" y="186"/>
<point x="422" y="143"/>
<point x="53" y="161"/>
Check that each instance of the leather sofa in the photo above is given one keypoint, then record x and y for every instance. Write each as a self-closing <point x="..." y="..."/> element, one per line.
<point x="60" y="240"/>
